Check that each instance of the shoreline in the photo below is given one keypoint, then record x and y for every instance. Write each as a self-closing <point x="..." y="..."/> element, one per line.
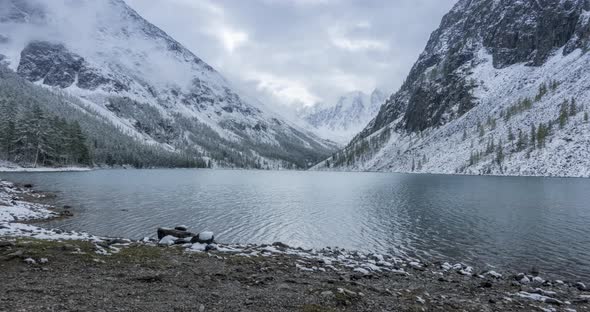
<point x="377" y="277"/>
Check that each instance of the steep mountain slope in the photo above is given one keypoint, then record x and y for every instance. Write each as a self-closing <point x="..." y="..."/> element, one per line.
<point x="341" y="121"/>
<point x="501" y="88"/>
<point x="147" y="84"/>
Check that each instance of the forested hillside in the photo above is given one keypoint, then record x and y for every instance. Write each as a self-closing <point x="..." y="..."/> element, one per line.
<point x="145" y="88"/>
<point x="41" y="128"/>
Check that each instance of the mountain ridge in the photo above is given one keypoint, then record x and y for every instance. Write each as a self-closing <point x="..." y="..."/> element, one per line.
<point x="145" y="82"/>
<point x="492" y="74"/>
<point x="341" y="120"/>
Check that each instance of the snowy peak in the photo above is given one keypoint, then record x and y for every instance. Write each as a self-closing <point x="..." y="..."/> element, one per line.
<point x="341" y="120"/>
<point x="145" y="82"/>
<point x="497" y="90"/>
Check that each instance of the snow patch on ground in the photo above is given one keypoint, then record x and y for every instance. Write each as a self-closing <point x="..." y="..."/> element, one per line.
<point x="13" y="211"/>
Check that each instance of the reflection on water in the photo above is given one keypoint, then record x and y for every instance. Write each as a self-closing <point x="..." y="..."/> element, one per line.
<point x="508" y="222"/>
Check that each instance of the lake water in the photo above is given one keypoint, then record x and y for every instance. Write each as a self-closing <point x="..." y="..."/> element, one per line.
<point x="509" y="223"/>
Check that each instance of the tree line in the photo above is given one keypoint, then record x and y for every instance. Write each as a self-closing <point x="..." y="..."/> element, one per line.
<point x="39" y="127"/>
<point x="28" y="135"/>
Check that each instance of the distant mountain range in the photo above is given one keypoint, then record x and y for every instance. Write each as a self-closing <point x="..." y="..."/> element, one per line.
<point x="128" y="72"/>
<point x="501" y="88"/>
<point x="342" y="120"/>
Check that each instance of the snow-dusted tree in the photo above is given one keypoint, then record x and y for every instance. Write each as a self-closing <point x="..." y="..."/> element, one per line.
<point x="533" y="135"/>
<point x="563" y="114"/>
<point x="500" y="153"/>
<point x="510" y="135"/>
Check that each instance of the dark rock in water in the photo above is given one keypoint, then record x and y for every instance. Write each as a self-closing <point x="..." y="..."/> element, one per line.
<point x="535" y="271"/>
<point x="162" y="232"/>
<point x="67" y="207"/>
<point x="550" y="300"/>
<point x="181" y="228"/>
<point x="203" y="238"/>
<point x="486" y="284"/>
<point x="28" y="185"/>
<point x="580" y="286"/>
<point x="181" y="241"/>
<point x="280" y="245"/>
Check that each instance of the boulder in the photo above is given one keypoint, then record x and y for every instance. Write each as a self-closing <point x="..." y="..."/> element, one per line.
<point x="205" y="237"/>
<point x="181" y="228"/>
<point x="168" y="240"/>
<point x="163" y="232"/>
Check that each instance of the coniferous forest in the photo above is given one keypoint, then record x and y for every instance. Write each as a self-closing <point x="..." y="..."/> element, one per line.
<point x="40" y="128"/>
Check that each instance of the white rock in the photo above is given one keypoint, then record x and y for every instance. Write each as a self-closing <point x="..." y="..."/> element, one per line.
<point x="414" y="264"/>
<point x="43" y="260"/>
<point x="361" y="270"/>
<point x="525" y="280"/>
<point x="30" y="261"/>
<point x="420" y="300"/>
<point x="494" y="274"/>
<point x="167" y="240"/>
<point x="466" y="271"/>
<point x="198" y="247"/>
<point x="446" y="266"/>
<point x="537" y="279"/>
<point x="206" y="235"/>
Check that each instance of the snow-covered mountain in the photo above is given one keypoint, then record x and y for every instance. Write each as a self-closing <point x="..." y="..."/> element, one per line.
<point x="146" y="83"/>
<point x="342" y="120"/>
<point x="502" y="88"/>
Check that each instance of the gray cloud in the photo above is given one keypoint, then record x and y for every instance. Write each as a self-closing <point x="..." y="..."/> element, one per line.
<point x="297" y="52"/>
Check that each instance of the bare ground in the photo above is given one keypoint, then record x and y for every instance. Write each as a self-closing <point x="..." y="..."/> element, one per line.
<point x="148" y="278"/>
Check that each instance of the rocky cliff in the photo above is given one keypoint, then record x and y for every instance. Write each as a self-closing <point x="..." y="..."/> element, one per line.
<point x="486" y="59"/>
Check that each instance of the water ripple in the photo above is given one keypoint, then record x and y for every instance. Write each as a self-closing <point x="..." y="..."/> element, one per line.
<point x="504" y="222"/>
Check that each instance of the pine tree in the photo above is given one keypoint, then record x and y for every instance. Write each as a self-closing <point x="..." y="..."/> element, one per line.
<point x="563" y="114"/>
<point x="522" y="141"/>
<point x="542" y="92"/>
<point x="7" y="128"/>
<point x="573" y="107"/>
<point x="77" y="145"/>
<point x="500" y="153"/>
<point x="533" y="135"/>
<point x="481" y="130"/>
<point x="510" y="135"/>
<point x="586" y="116"/>
<point x="464" y="135"/>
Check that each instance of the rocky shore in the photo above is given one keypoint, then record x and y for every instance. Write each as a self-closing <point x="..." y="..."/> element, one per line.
<point x="180" y="270"/>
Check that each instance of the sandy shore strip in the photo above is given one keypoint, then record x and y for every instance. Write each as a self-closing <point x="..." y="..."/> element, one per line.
<point x="45" y="269"/>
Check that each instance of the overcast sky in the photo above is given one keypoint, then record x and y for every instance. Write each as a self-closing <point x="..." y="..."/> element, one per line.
<point x="299" y="52"/>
